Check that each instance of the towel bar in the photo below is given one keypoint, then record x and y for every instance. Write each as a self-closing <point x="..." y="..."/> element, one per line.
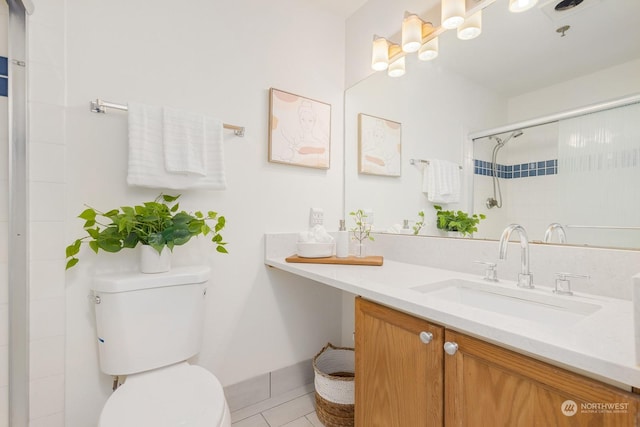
<point x="415" y="161"/>
<point x="100" y="106"/>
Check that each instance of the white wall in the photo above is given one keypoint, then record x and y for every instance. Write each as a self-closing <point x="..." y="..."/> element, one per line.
<point x="610" y="83"/>
<point x="435" y="122"/>
<point x="219" y="58"/>
<point x="46" y="163"/>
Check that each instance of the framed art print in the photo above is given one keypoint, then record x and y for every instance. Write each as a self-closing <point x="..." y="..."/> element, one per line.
<point x="299" y="130"/>
<point x="379" y="146"/>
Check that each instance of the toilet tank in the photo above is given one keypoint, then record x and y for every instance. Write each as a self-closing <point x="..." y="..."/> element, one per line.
<point x="146" y="321"/>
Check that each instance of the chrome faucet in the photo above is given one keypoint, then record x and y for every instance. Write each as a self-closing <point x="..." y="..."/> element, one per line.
<point x="562" y="236"/>
<point x="525" y="278"/>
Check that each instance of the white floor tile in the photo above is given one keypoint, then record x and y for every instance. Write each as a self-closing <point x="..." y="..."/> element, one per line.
<point x="313" y="419"/>
<point x="290" y="411"/>
<point x="255" y="421"/>
<point x="300" y="422"/>
<point x="272" y="402"/>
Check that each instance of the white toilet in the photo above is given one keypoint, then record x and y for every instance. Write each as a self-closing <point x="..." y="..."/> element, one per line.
<point x="148" y="326"/>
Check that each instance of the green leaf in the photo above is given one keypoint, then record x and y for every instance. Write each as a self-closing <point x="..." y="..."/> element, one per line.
<point x="71" y="263"/>
<point x="94" y="245"/>
<point x="205" y="229"/>
<point x="169" y="199"/>
<point x="89" y="223"/>
<point x="212" y="214"/>
<point x="73" y="248"/>
<point x="88" y="214"/>
<point x="222" y="250"/>
<point x="109" y="244"/>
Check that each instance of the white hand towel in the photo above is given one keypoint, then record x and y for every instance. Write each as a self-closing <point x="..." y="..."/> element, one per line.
<point x="184" y="142"/>
<point x="146" y="153"/>
<point x="146" y="159"/>
<point x="441" y="180"/>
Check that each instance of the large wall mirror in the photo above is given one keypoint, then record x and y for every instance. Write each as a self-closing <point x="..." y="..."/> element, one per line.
<point x="485" y="83"/>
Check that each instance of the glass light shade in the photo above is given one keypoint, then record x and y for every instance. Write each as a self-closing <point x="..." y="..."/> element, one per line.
<point x="471" y="27"/>
<point x="411" y="33"/>
<point x="397" y="68"/>
<point x="380" y="54"/>
<point x="429" y="50"/>
<point x="453" y="12"/>
<point x="521" y="5"/>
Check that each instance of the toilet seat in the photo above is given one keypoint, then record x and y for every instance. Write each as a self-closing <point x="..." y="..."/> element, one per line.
<point x="178" y="395"/>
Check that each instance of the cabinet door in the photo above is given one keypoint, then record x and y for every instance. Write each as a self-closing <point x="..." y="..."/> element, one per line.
<point x="486" y="385"/>
<point x="398" y="377"/>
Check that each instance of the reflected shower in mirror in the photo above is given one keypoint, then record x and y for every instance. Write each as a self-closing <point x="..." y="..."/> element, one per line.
<point x="572" y="181"/>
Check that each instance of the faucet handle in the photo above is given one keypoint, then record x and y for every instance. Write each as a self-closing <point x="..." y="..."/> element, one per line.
<point x="491" y="273"/>
<point x="563" y="285"/>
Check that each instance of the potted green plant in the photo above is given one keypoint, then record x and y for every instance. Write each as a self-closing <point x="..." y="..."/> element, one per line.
<point x="155" y="225"/>
<point x="361" y="232"/>
<point x="457" y="221"/>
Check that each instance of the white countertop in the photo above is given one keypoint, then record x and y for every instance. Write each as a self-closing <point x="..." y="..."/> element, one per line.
<point x="600" y="346"/>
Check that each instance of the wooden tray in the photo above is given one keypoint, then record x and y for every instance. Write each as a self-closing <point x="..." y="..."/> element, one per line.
<point x="350" y="260"/>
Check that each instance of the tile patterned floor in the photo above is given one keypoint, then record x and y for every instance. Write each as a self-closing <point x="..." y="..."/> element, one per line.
<point x="293" y="409"/>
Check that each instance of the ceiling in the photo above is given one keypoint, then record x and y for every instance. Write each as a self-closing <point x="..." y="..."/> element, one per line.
<point x="342" y="8"/>
<point x="517" y="53"/>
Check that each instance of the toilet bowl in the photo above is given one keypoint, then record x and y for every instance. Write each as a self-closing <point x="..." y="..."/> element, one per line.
<point x="148" y="326"/>
<point x="178" y="395"/>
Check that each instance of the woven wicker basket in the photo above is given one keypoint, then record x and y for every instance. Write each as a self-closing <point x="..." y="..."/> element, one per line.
<point x="334" y="382"/>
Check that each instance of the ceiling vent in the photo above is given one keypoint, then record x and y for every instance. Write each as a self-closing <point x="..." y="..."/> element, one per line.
<point x="557" y="10"/>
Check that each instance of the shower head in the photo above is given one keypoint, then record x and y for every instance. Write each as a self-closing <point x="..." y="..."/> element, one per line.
<point x="514" y="134"/>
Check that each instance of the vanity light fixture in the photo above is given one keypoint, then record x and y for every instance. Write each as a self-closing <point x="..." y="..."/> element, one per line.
<point x="517" y="6"/>
<point x="380" y="54"/>
<point x="422" y="37"/>
<point x="414" y="30"/>
<point x="471" y="27"/>
<point x="429" y="50"/>
<point x="453" y="12"/>
<point x="383" y="51"/>
<point x="397" y="68"/>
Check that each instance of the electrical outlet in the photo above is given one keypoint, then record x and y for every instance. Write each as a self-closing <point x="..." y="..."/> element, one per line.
<point x="316" y="217"/>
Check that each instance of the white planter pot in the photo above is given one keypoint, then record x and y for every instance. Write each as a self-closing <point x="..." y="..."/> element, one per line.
<point x="153" y="262"/>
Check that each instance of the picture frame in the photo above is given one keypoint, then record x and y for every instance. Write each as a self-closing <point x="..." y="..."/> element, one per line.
<point x="379" y="146"/>
<point x="299" y="130"/>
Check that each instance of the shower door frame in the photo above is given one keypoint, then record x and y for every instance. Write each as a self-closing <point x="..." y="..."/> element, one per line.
<point x="18" y="256"/>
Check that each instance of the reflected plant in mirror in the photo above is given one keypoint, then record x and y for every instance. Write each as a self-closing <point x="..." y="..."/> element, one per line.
<point x="457" y="221"/>
<point x="361" y="232"/>
<point x="419" y="224"/>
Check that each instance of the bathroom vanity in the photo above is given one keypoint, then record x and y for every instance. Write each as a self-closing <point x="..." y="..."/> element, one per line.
<point x="441" y="347"/>
<point x="412" y="372"/>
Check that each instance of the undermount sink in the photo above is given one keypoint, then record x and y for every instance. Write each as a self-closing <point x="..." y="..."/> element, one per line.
<point x="524" y="304"/>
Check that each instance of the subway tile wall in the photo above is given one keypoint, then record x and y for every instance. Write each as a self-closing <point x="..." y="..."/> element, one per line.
<point x="46" y="157"/>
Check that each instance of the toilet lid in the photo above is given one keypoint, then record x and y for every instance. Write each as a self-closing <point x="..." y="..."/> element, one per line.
<point x="179" y="395"/>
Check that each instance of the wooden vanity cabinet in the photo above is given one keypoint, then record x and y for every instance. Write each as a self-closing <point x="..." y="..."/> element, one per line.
<point x="489" y="385"/>
<point x="398" y="375"/>
<point x="401" y="382"/>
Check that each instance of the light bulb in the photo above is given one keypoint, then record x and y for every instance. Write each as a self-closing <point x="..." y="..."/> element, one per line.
<point x="429" y="50"/>
<point x="380" y="54"/>
<point x="517" y="6"/>
<point x="471" y="27"/>
<point x="397" y="68"/>
<point x="453" y="12"/>
<point x="411" y="33"/>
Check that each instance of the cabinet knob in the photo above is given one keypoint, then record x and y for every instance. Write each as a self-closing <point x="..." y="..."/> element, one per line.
<point x="426" y="337"/>
<point x="450" y="348"/>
